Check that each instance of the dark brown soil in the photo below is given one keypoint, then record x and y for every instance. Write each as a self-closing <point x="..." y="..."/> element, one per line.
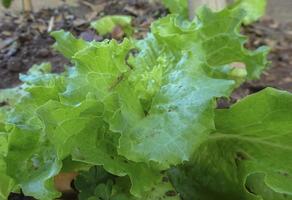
<point x="278" y="36"/>
<point x="15" y="196"/>
<point x="26" y="41"/>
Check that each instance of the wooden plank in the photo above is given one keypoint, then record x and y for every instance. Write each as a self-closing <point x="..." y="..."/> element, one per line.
<point x="27" y="6"/>
<point x="213" y="4"/>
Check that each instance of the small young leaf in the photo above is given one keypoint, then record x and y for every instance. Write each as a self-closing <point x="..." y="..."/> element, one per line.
<point x="107" y="24"/>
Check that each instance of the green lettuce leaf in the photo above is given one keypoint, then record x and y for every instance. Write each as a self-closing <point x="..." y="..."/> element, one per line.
<point x="79" y="131"/>
<point x="186" y="53"/>
<point x="32" y="163"/>
<point x="107" y="24"/>
<point x="218" y="48"/>
<point x="37" y="74"/>
<point x="95" y="183"/>
<point x="31" y="159"/>
<point x="6" y="184"/>
<point x="70" y="44"/>
<point x="254" y="9"/>
<point x="177" y="7"/>
<point x="8" y="99"/>
<point x="185" y="99"/>
<point x="98" y="183"/>
<point x="247" y="157"/>
<point x="97" y="80"/>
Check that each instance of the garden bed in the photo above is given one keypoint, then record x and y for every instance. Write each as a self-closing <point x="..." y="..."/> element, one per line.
<point x="25" y="42"/>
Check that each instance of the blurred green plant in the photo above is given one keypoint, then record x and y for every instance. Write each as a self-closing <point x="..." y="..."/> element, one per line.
<point x="254" y="9"/>
<point x="6" y="3"/>
<point x="107" y="24"/>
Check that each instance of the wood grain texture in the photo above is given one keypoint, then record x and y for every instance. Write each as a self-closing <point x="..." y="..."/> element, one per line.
<point x="27" y="6"/>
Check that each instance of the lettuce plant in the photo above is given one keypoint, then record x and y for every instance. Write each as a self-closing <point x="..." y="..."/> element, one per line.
<point x="138" y="119"/>
<point x="254" y="8"/>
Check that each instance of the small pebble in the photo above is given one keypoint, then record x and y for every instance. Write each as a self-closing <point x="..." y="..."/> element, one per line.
<point x="43" y="53"/>
<point x="14" y="64"/>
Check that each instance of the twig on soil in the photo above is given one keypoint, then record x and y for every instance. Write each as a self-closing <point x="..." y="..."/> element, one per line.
<point x="7" y="42"/>
<point x="51" y="24"/>
<point x="96" y="8"/>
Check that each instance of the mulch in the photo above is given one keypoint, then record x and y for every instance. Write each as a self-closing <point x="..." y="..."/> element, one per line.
<point x="25" y="41"/>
